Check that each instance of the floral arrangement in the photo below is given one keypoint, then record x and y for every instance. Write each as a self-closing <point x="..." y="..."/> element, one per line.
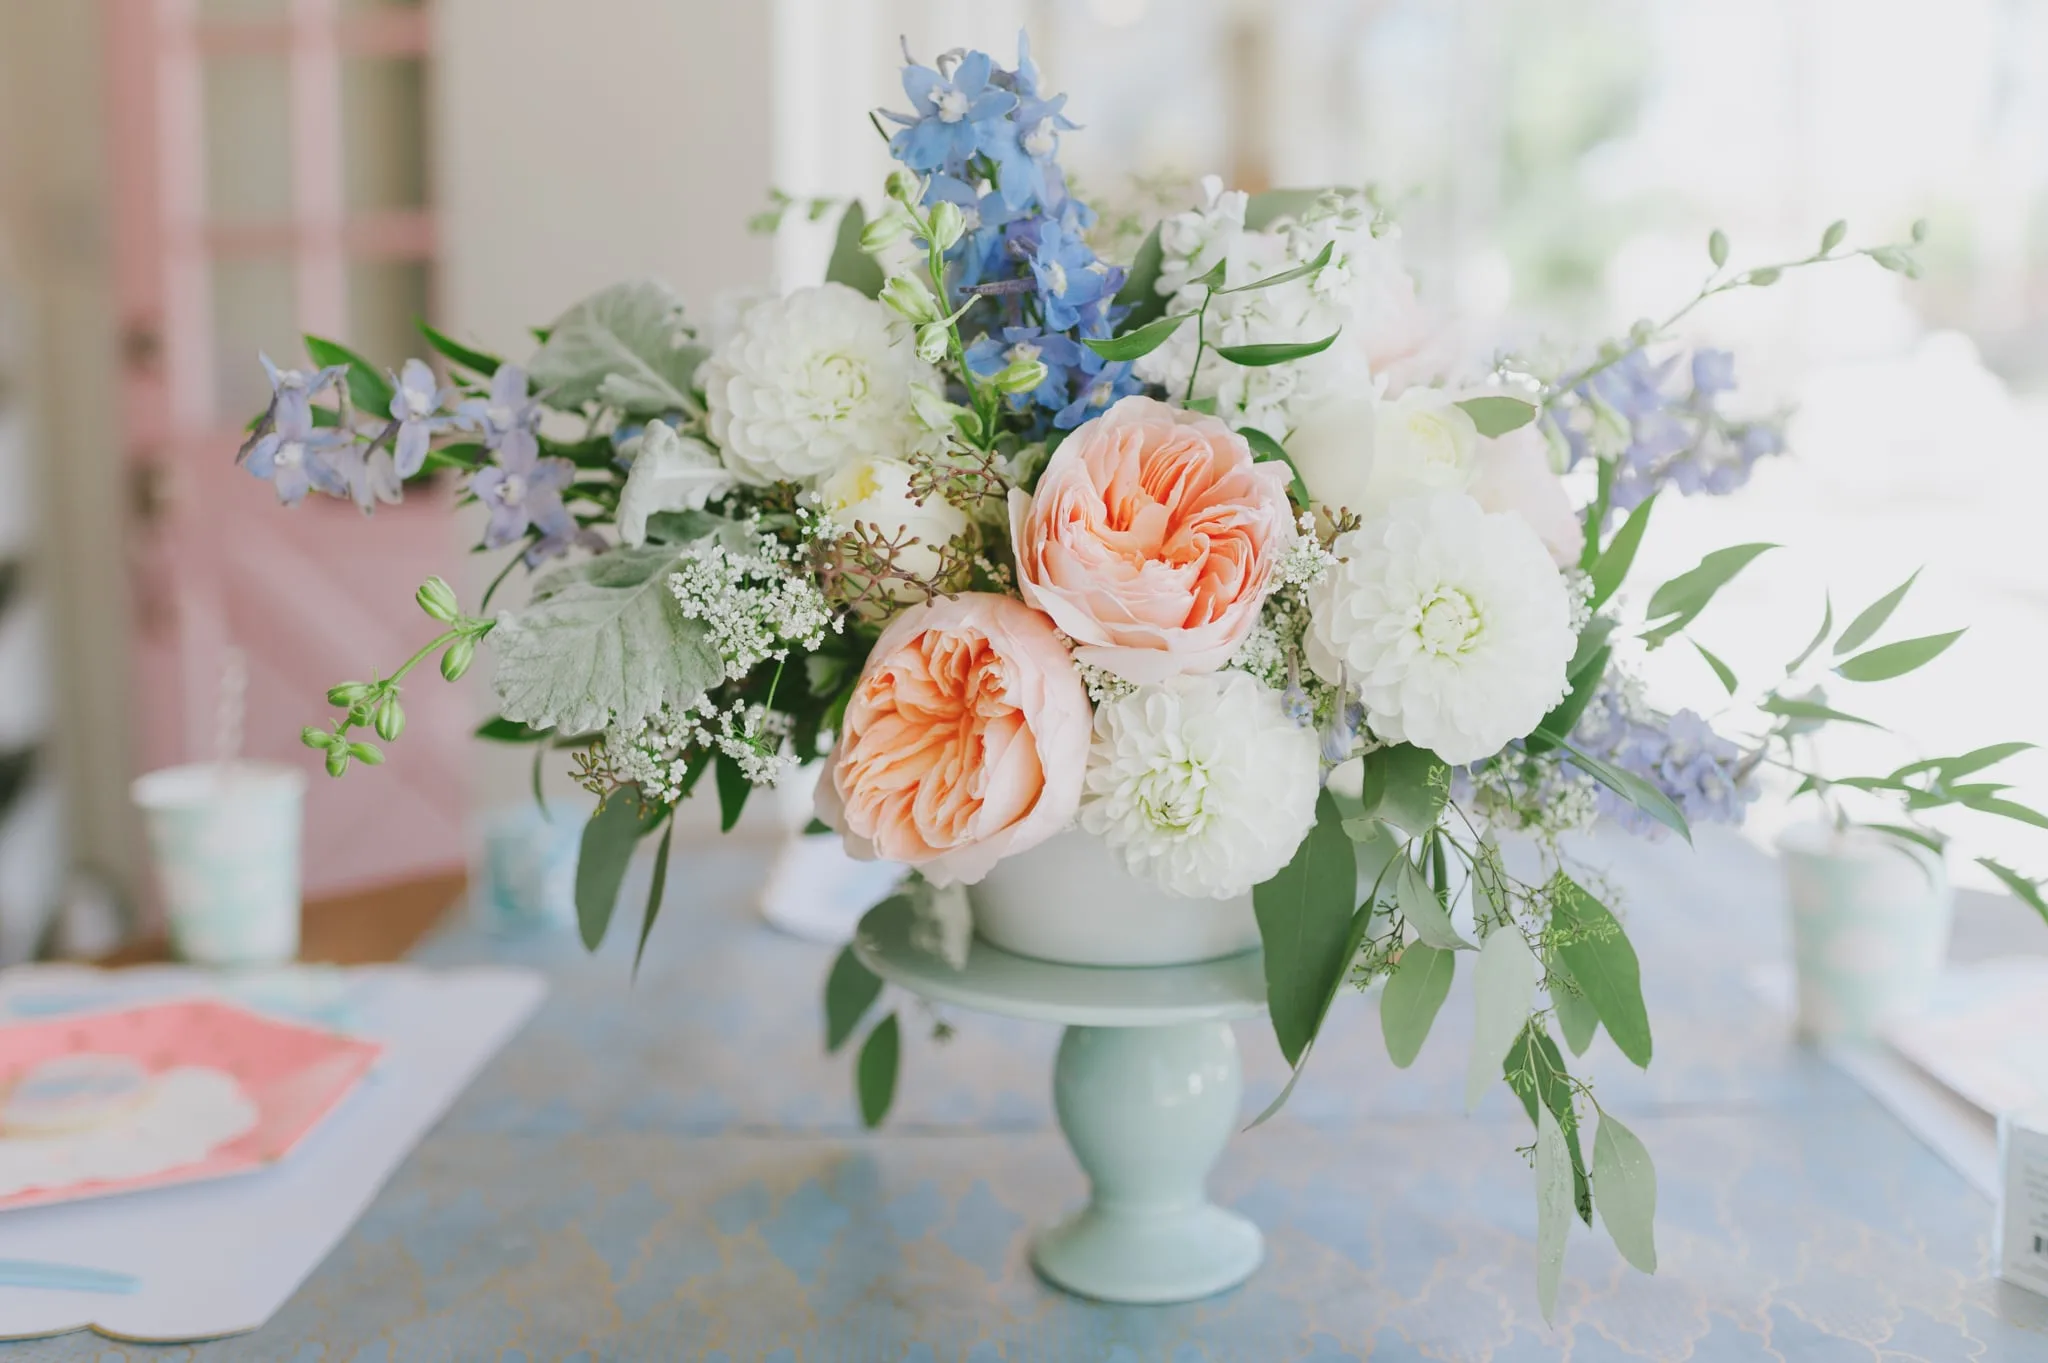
<point x="1014" y="538"/>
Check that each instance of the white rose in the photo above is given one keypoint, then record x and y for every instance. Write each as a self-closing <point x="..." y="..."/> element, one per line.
<point x="1452" y="626"/>
<point x="876" y="492"/>
<point x="1514" y="475"/>
<point x="670" y="473"/>
<point x="1364" y="453"/>
<point x="1201" y="783"/>
<point x="810" y="383"/>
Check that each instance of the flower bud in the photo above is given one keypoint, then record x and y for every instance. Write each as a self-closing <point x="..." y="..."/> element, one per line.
<point x="908" y="298"/>
<point x="932" y="411"/>
<point x="369" y="754"/>
<point x="882" y="231"/>
<point x="932" y="341"/>
<point x="947" y="223"/>
<point x="437" y="599"/>
<point x="455" y="661"/>
<point x="901" y="186"/>
<point x="1020" y="376"/>
<point x="390" y="720"/>
<point x="337" y="759"/>
<point x="348" y="693"/>
<point x="316" y="738"/>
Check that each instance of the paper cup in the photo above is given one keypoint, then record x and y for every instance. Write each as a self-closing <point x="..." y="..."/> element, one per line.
<point x="524" y="876"/>
<point x="1870" y="927"/>
<point x="226" y="845"/>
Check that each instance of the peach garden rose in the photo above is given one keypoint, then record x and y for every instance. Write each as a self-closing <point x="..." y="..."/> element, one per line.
<point x="966" y="740"/>
<point x="1152" y="539"/>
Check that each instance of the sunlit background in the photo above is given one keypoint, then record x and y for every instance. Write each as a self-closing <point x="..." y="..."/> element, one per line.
<point x="185" y="182"/>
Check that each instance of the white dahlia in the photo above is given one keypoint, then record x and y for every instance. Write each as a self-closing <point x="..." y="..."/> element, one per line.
<point x="1201" y="783"/>
<point x="1451" y="624"/>
<point x="811" y="382"/>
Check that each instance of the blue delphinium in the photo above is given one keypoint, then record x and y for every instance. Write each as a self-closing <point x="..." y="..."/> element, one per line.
<point x="417" y="403"/>
<point x="296" y="456"/>
<point x="1668" y="426"/>
<point x="987" y="139"/>
<point x="1701" y="772"/>
<point x="522" y="491"/>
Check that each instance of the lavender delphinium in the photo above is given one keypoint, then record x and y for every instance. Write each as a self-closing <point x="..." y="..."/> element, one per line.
<point x="417" y="404"/>
<point x="1660" y="423"/>
<point x="297" y="456"/>
<point x="1701" y="772"/>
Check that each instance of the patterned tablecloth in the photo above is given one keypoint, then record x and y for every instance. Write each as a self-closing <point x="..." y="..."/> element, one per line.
<point x="671" y="1171"/>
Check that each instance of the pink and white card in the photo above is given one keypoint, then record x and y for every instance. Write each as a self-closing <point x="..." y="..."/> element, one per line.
<point x="160" y="1094"/>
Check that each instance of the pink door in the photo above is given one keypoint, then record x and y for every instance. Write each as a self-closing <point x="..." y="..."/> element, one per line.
<point x="269" y="181"/>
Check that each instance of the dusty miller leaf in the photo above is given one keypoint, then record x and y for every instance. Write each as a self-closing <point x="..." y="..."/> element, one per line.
<point x="602" y="641"/>
<point x="627" y="347"/>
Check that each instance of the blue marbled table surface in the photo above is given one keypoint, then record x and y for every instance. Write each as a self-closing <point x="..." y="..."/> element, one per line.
<point x="671" y="1170"/>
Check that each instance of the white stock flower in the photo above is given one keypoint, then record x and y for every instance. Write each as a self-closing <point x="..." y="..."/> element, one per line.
<point x="670" y="473"/>
<point x="1451" y="624"/>
<point x="1364" y="453"/>
<point x="1201" y="783"/>
<point x="876" y="492"/>
<point x="809" y="383"/>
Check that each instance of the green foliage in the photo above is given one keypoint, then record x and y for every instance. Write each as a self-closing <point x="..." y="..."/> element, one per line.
<point x="625" y="347"/>
<point x="1685" y="596"/>
<point x="1583" y="677"/>
<point x="1717" y="247"/>
<point x="1264" y="449"/>
<point x="1536" y="1074"/>
<point x="733" y="789"/>
<point x="1287" y="276"/>
<point x="1555" y="1172"/>
<point x="1896" y="660"/>
<point x="1866" y="625"/>
<point x="850" y="990"/>
<point x="1274" y="352"/>
<point x="875" y="1071"/>
<point x="1625" y="1191"/>
<point x="1722" y="672"/>
<point x="1413" y="994"/>
<point x="1611" y="568"/>
<point x="1812" y="711"/>
<point x="602" y="641"/>
<point x="1496" y="414"/>
<point x="1597" y="952"/>
<point x="1140" y="292"/>
<point x="502" y="730"/>
<point x="850" y="265"/>
<point x="1405" y="785"/>
<point x="1304" y="914"/>
<point x="1576" y="1017"/>
<point x="476" y="361"/>
<point x="608" y="842"/>
<point x="1633" y="788"/>
<point x="368" y="389"/>
<point x="1503" y="983"/>
<point x="1424" y="909"/>
<point x="1827" y="623"/>
<point x="1140" y="341"/>
<point x="655" y="889"/>
<point x="2028" y="890"/>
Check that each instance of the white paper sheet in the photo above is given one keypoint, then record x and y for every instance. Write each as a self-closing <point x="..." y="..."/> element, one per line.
<point x="220" y="1258"/>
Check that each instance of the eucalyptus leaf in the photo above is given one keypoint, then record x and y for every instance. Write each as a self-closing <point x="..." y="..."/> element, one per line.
<point x="1632" y="788"/>
<point x="1414" y="993"/>
<point x="1535" y="1073"/>
<point x="1142" y="341"/>
<point x="850" y="990"/>
<point x="602" y="641"/>
<point x="626" y="347"/>
<point x="1260" y="355"/>
<point x="1610" y="570"/>
<point x="1424" y="911"/>
<point x="849" y="265"/>
<point x="368" y="389"/>
<point x="1305" y="917"/>
<point x="1495" y="414"/>
<point x="875" y="1071"/>
<point x="733" y="790"/>
<point x="1407" y="786"/>
<point x="1576" y="1016"/>
<point x="1597" y="952"/>
<point x="655" y="889"/>
<point x="1559" y="723"/>
<point x="1866" y="625"/>
<point x="1503" y="983"/>
<point x="1625" y="1192"/>
<point x="501" y="730"/>
<point x="1896" y="660"/>
<point x="1553" y="1208"/>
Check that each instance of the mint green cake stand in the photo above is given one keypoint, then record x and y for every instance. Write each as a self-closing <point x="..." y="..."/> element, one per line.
<point x="1147" y="1087"/>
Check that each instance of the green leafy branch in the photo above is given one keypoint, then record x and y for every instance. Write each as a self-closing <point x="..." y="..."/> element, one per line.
<point x="375" y="705"/>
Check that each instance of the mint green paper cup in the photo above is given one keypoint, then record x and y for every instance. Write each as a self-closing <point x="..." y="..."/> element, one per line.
<point x="225" y="840"/>
<point x="1870" y="928"/>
